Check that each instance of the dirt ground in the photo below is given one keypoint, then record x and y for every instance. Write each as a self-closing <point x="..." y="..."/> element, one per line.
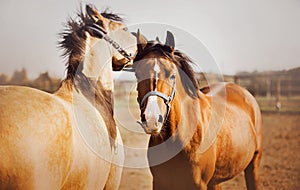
<point x="280" y="167"/>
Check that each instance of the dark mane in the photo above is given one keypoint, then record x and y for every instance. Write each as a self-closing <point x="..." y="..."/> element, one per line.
<point x="73" y="43"/>
<point x="180" y="59"/>
<point x="73" y="40"/>
<point x="109" y="15"/>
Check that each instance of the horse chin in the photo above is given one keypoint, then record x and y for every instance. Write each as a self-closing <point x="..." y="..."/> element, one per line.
<point x="150" y="131"/>
<point x="155" y="132"/>
<point x="118" y="64"/>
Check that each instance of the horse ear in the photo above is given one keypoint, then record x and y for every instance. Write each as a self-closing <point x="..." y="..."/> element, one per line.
<point x="141" y="40"/>
<point x="157" y="39"/>
<point x="93" y="13"/>
<point x="170" y="40"/>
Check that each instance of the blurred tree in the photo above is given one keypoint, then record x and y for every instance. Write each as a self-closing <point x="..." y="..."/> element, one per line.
<point x="46" y="83"/>
<point x="43" y="82"/>
<point x="20" y="78"/>
<point x="4" y="79"/>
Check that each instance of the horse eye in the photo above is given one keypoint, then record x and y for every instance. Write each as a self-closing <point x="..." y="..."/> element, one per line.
<point x="99" y="23"/>
<point x="125" y="29"/>
<point x="173" y="77"/>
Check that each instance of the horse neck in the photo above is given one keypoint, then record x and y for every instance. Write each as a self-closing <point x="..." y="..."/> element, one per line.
<point x="93" y="79"/>
<point x="192" y="128"/>
<point x="94" y="83"/>
<point x="97" y="63"/>
<point x="189" y="119"/>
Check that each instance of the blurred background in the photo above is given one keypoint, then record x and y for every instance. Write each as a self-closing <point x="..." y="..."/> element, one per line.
<point x="255" y="44"/>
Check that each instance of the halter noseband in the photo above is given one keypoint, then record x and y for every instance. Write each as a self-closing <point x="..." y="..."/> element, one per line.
<point x="167" y="99"/>
<point x="102" y="34"/>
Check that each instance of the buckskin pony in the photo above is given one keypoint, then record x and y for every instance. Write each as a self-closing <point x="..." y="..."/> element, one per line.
<point x="69" y="139"/>
<point x="199" y="138"/>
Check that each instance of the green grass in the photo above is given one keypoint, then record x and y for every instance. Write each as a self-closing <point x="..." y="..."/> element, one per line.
<point x="267" y="104"/>
<point x="288" y="104"/>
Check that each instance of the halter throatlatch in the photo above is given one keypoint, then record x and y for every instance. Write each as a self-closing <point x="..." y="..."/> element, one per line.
<point x="167" y="99"/>
<point x="102" y="34"/>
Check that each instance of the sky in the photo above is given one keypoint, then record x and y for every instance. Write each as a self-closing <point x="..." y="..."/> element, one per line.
<point x="237" y="35"/>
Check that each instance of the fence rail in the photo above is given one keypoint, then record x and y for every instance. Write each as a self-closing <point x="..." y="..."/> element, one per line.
<point x="274" y="91"/>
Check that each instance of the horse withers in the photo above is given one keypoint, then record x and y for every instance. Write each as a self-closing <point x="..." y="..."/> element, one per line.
<point x="199" y="138"/>
<point x="69" y="139"/>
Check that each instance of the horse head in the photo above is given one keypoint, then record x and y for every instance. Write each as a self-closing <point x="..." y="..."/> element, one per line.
<point x="157" y="68"/>
<point x="94" y="40"/>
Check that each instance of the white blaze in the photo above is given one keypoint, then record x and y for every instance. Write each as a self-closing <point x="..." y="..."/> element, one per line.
<point x="152" y="111"/>
<point x="157" y="71"/>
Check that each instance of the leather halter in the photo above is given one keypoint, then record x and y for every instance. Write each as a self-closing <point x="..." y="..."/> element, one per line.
<point x="167" y="99"/>
<point x="102" y="34"/>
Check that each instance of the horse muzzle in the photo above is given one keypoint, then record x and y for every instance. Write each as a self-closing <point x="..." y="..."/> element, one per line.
<point x="152" y="126"/>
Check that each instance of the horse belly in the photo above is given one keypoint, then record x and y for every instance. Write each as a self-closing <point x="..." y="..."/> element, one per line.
<point x="92" y="171"/>
<point x="88" y="172"/>
<point x="235" y="148"/>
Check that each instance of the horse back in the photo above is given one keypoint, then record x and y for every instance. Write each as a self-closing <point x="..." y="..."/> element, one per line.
<point x="236" y="99"/>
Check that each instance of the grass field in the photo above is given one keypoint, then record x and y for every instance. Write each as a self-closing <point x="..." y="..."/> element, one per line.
<point x="288" y="104"/>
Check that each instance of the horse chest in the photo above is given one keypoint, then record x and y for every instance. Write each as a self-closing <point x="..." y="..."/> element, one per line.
<point x="175" y="173"/>
<point x="90" y="127"/>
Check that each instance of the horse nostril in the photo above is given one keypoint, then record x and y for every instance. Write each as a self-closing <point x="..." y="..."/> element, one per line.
<point x="160" y="118"/>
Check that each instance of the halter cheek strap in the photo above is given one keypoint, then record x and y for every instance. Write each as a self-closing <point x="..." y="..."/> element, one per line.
<point x="155" y="93"/>
<point x="167" y="99"/>
<point x="102" y="34"/>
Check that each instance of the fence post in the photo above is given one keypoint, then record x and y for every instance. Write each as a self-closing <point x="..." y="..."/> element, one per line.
<point x="268" y="85"/>
<point x="278" y="94"/>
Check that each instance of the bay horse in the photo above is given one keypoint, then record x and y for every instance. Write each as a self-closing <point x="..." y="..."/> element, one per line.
<point x="199" y="137"/>
<point x="69" y="139"/>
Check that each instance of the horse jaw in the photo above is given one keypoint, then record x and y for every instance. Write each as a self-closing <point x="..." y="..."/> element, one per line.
<point x="127" y="41"/>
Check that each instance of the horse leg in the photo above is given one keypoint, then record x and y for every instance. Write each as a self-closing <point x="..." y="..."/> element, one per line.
<point x="114" y="178"/>
<point x="214" y="187"/>
<point x="115" y="174"/>
<point x="158" y="186"/>
<point x="252" y="172"/>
